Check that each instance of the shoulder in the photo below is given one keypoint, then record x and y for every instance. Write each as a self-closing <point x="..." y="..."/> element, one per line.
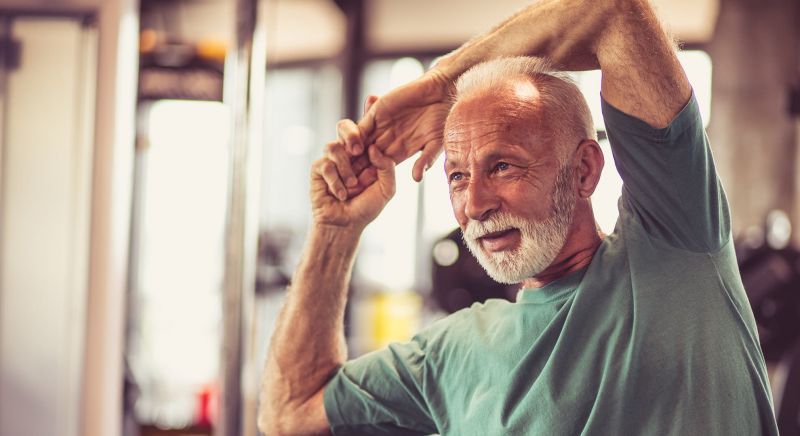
<point x="465" y="323"/>
<point x="622" y="123"/>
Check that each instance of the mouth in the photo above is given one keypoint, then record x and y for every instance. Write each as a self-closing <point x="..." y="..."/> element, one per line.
<point x="500" y="240"/>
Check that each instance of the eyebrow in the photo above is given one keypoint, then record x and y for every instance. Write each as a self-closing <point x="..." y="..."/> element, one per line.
<point x="493" y="155"/>
<point x="449" y="164"/>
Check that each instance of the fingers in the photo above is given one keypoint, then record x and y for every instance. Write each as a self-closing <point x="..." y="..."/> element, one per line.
<point x="350" y="135"/>
<point x="380" y="161"/>
<point x="371" y="99"/>
<point x="366" y="125"/>
<point x="429" y="154"/>
<point x="335" y="151"/>
<point x="360" y="163"/>
<point x="327" y="169"/>
<point x="384" y="167"/>
<point x="367" y="177"/>
<point x="336" y="168"/>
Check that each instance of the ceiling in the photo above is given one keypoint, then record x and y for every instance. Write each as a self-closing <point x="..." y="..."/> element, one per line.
<point x="308" y="29"/>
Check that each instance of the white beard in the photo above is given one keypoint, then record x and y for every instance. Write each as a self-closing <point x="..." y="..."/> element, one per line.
<point x="540" y="241"/>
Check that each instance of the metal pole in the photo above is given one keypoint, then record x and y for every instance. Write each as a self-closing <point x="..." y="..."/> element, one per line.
<point x="353" y="56"/>
<point x="244" y="96"/>
<point x="5" y="34"/>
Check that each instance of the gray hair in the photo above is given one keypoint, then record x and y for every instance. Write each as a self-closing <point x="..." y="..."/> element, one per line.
<point x="565" y="106"/>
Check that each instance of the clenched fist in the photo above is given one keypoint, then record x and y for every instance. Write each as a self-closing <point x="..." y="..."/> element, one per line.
<point x="350" y="192"/>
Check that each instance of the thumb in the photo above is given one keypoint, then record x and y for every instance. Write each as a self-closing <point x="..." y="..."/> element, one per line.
<point x="371" y="99"/>
<point x="367" y="125"/>
<point x="385" y="171"/>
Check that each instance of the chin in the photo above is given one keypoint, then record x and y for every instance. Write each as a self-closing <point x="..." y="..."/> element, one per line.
<point x="507" y="267"/>
<point x="514" y="266"/>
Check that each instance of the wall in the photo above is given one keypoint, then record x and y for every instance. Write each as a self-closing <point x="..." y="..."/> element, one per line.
<point x="399" y="25"/>
<point x="117" y="20"/>
<point x="756" y="58"/>
<point x="46" y="173"/>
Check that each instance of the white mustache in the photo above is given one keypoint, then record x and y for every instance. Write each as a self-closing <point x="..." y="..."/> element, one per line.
<point x="496" y="223"/>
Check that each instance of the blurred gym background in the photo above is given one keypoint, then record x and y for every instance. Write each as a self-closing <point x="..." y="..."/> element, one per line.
<point x="154" y="161"/>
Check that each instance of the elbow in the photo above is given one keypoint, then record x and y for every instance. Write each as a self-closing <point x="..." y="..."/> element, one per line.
<point x="287" y="420"/>
<point x="266" y="421"/>
<point x="271" y="413"/>
<point x="274" y="422"/>
<point x="286" y="409"/>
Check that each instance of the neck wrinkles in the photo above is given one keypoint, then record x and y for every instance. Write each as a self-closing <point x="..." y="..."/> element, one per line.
<point x="577" y="260"/>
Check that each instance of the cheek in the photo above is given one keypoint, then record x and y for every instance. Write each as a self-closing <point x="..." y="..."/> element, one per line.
<point x="457" y="202"/>
<point x="526" y="201"/>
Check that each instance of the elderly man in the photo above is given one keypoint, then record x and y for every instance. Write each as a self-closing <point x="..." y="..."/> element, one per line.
<point x="643" y="331"/>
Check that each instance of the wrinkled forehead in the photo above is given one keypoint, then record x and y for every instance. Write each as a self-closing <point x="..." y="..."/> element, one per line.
<point x="511" y="114"/>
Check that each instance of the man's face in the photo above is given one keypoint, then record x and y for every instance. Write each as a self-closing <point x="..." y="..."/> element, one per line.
<point x="511" y="196"/>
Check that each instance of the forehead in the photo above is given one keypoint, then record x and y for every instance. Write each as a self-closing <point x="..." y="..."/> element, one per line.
<point x="498" y="118"/>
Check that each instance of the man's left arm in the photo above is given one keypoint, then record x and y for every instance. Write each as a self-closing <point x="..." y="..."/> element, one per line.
<point x="640" y="70"/>
<point x="641" y="74"/>
<point x="657" y="136"/>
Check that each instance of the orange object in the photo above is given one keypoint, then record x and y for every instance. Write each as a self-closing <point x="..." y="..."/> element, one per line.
<point x="212" y="49"/>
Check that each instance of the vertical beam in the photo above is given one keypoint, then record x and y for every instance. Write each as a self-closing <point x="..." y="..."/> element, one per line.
<point x="756" y="53"/>
<point x="5" y="34"/>
<point x="354" y="56"/>
<point x="112" y="182"/>
<point x="244" y="96"/>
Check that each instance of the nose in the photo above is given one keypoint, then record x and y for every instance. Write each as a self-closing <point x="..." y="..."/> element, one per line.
<point x="481" y="200"/>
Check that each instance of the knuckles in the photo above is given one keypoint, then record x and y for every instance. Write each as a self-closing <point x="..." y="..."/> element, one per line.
<point x="328" y="167"/>
<point x="334" y="147"/>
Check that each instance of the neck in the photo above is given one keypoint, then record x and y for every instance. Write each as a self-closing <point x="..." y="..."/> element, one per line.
<point x="577" y="253"/>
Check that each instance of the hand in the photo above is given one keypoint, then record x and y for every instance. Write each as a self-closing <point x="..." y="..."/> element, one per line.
<point x="404" y="121"/>
<point x="357" y="204"/>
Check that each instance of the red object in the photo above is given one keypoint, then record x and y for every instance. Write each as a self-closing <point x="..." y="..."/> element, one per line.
<point x="207" y="400"/>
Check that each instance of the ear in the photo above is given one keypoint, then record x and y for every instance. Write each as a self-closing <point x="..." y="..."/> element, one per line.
<point x="590" y="163"/>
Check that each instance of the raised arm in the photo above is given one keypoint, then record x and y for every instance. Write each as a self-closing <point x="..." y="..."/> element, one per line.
<point x="308" y="343"/>
<point x="640" y="71"/>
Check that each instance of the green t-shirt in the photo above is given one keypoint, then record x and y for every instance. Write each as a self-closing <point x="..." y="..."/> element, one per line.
<point x="654" y="337"/>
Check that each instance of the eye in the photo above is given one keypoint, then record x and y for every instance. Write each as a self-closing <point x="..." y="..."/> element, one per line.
<point x="502" y="166"/>
<point x="456" y="176"/>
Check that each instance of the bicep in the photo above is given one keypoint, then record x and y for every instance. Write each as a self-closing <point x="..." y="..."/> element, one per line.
<point x="641" y="74"/>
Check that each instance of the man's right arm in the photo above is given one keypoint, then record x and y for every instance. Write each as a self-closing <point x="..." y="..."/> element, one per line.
<point x="307" y="345"/>
<point x="308" y="342"/>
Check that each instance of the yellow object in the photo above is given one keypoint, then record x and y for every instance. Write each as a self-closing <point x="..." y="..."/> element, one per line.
<point x="393" y="317"/>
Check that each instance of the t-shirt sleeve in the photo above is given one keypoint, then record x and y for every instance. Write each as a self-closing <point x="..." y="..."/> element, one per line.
<point x="381" y="393"/>
<point x="669" y="181"/>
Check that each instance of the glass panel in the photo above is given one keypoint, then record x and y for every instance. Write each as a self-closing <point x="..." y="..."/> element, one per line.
<point x="302" y="108"/>
<point x="392" y="238"/>
<point x="174" y="347"/>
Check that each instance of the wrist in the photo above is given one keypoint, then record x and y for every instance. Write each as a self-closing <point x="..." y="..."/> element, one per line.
<point x="329" y="252"/>
<point x="454" y="64"/>
<point x="444" y="73"/>
<point x="333" y="235"/>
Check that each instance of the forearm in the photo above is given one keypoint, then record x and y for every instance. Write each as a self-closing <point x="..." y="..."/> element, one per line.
<point x="624" y="38"/>
<point x="308" y="341"/>
<point x="564" y="31"/>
